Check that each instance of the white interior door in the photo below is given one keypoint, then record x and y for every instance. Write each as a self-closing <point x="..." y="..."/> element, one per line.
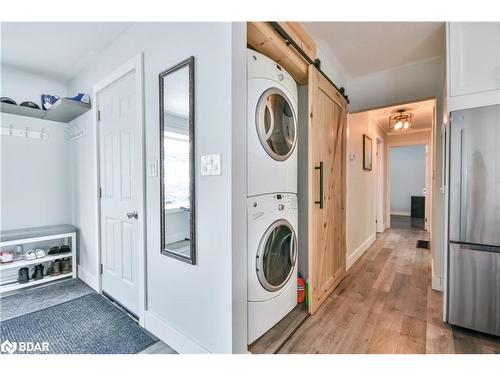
<point x="120" y="168"/>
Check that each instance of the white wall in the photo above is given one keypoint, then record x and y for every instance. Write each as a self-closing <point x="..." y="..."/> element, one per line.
<point x="361" y="185"/>
<point x="23" y="86"/>
<point x="195" y="305"/>
<point x="35" y="189"/>
<point x="407" y="177"/>
<point x="401" y="85"/>
<point x="332" y="67"/>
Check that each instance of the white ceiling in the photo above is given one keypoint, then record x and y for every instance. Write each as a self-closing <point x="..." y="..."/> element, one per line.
<point x="57" y="50"/>
<point x="422" y="111"/>
<point x="368" y="47"/>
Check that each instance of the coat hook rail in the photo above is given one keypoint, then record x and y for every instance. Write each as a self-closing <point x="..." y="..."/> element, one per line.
<point x="24" y="133"/>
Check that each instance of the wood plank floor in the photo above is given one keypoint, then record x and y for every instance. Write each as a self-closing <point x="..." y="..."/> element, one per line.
<point x="386" y="305"/>
<point x="273" y="339"/>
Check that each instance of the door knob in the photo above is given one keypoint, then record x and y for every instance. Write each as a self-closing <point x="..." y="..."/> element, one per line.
<point x="133" y="215"/>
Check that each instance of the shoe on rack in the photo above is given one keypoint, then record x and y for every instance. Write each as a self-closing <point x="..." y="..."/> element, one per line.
<point x="30" y="255"/>
<point x="54" y="250"/>
<point x="40" y="253"/>
<point x="65" y="249"/>
<point x="6" y="257"/>
<point x="38" y="272"/>
<point x="23" y="275"/>
<point x="55" y="268"/>
<point x="66" y="265"/>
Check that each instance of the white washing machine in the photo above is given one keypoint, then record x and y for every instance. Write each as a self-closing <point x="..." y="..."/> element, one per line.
<point x="271" y="127"/>
<point x="272" y="260"/>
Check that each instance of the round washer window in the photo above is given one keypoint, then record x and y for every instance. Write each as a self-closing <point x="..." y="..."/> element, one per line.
<point x="276" y="124"/>
<point x="276" y="255"/>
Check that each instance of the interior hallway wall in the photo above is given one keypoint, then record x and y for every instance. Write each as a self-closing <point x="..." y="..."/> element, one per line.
<point x="35" y="184"/>
<point x="402" y="85"/>
<point x="303" y="180"/>
<point x="199" y="306"/>
<point x="407" y="177"/>
<point x="361" y="185"/>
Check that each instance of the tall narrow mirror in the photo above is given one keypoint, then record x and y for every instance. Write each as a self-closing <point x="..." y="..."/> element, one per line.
<point x="177" y="161"/>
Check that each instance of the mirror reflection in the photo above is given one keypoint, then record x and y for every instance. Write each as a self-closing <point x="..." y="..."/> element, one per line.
<point x="177" y="130"/>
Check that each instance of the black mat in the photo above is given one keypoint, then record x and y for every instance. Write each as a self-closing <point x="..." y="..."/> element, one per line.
<point x="421" y="244"/>
<point x="87" y="325"/>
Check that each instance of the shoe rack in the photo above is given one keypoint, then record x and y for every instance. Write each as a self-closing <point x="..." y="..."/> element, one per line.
<point x="10" y="239"/>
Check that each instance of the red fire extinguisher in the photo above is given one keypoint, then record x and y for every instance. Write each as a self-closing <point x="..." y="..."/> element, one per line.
<point x="301" y="289"/>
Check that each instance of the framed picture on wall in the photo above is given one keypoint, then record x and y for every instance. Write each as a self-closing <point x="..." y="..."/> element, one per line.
<point x="367" y="153"/>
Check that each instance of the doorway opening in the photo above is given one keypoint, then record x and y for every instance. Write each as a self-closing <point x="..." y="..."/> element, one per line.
<point x="369" y="208"/>
<point x="379" y="221"/>
<point x="408" y="186"/>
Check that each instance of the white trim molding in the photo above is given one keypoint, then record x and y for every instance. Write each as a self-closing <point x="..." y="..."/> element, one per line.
<point x="437" y="283"/>
<point x="172" y="337"/>
<point x="88" y="278"/>
<point x="401" y="213"/>
<point x="351" y="259"/>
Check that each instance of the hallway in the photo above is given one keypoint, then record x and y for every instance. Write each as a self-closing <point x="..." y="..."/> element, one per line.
<point x="385" y="304"/>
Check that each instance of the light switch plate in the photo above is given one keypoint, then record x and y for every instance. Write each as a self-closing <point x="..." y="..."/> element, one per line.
<point x="211" y="165"/>
<point x="152" y="167"/>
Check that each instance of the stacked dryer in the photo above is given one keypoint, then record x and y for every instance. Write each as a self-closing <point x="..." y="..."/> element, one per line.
<point x="272" y="194"/>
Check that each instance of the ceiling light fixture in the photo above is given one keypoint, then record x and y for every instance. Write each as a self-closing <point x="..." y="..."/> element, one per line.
<point x="401" y="121"/>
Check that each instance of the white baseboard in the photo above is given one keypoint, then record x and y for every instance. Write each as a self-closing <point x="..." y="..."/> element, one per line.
<point x="88" y="278"/>
<point x="351" y="259"/>
<point x="170" y="336"/>
<point x="401" y="213"/>
<point x="437" y="283"/>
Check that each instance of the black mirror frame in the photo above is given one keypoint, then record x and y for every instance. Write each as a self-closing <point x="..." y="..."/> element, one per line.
<point x="189" y="62"/>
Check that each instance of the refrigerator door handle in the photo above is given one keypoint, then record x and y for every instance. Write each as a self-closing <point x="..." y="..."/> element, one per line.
<point x="463" y="185"/>
<point x="476" y="246"/>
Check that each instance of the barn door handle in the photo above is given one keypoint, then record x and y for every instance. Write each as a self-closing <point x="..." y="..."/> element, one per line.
<point x="320" y="202"/>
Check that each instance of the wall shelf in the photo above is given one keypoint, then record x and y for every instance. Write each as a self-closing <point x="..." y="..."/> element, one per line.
<point x="14" y="286"/>
<point x="64" y="110"/>
<point x="23" y="262"/>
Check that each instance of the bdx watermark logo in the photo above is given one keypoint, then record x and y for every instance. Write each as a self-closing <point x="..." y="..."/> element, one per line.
<point x="24" y="347"/>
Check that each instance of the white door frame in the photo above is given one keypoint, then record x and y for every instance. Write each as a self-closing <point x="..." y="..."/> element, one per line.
<point x="133" y="65"/>
<point x="428" y="180"/>
<point x="380" y="227"/>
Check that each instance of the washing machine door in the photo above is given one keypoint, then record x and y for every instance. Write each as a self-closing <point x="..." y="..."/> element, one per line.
<point x="276" y="124"/>
<point x="276" y="256"/>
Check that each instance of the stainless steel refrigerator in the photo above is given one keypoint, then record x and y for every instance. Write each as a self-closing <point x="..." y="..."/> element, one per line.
<point x="474" y="220"/>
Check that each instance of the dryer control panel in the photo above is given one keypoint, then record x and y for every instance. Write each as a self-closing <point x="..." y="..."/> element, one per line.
<point x="260" y="66"/>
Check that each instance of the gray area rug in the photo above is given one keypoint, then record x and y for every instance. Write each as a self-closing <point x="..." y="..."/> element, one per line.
<point x="40" y="298"/>
<point x="89" y="324"/>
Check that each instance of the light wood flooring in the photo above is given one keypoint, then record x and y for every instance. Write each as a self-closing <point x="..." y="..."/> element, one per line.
<point x="385" y="304"/>
<point x="273" y="340"/>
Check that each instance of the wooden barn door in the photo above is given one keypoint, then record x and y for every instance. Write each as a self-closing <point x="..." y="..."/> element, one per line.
<point x="327" y="188"/>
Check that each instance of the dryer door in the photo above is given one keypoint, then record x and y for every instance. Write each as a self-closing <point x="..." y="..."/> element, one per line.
<point x="276" y="124"/>
<point x="276" y="256"/>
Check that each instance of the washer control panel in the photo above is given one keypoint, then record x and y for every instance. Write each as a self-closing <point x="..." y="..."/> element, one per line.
<point x="260" y="205"/>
